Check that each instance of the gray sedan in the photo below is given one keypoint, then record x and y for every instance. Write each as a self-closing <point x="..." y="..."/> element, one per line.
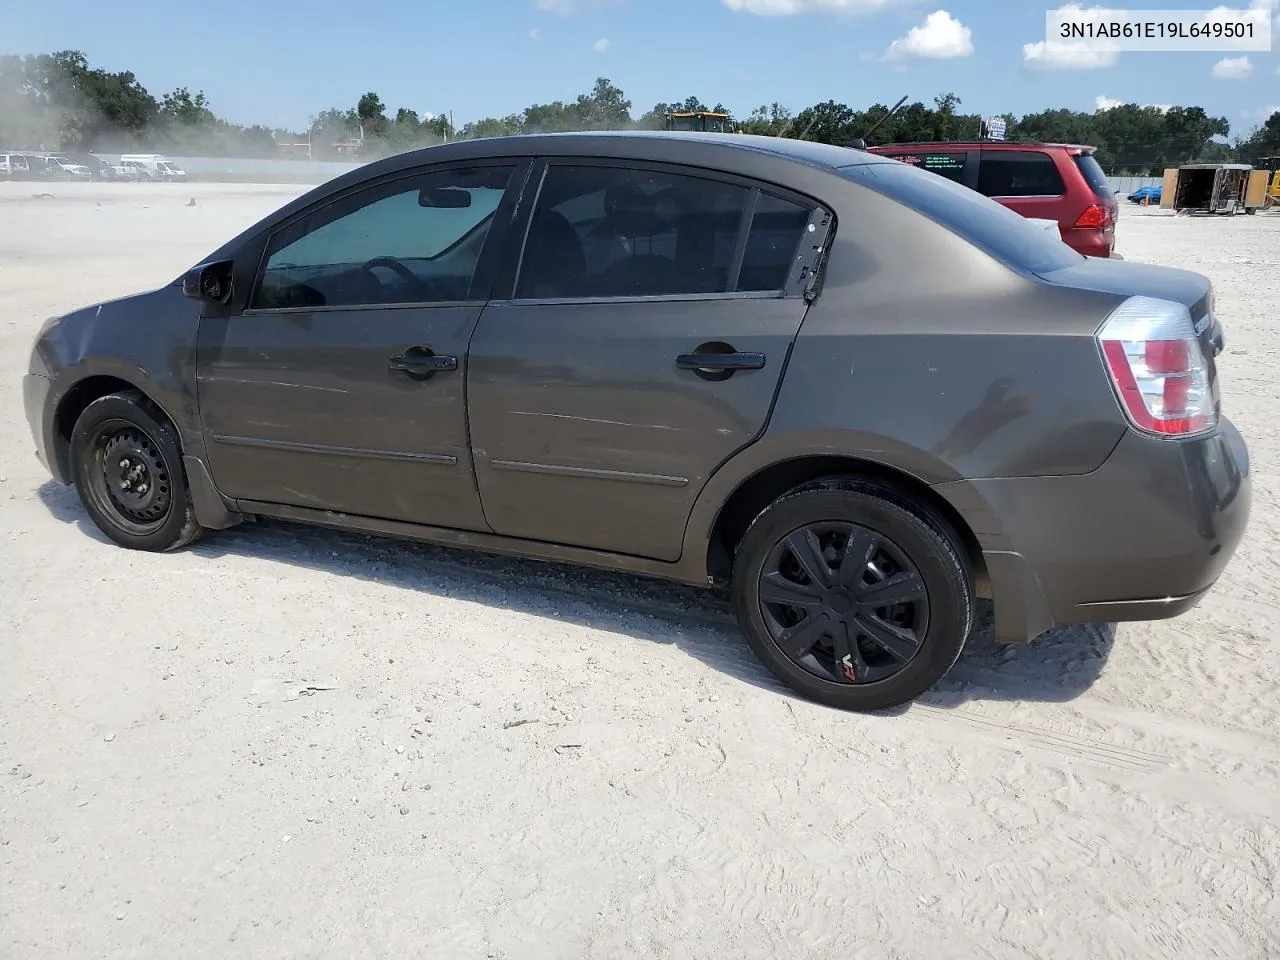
<point x="855" y="394"/>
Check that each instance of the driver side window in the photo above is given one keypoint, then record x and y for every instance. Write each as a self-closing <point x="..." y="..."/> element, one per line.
<point x="412" y="240"/>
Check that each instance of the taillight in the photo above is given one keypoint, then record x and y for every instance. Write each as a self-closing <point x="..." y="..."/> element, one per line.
<point x="1157" y="367"/>
<point x="1095" y="217"/>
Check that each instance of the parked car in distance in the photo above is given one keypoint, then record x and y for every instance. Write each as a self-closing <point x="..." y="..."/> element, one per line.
<point x="98" y="168"/>
<point x="691" y="356"/>
<point x="157" y="166"/>
<point x="131" y="170"/>
<point x="1151" y="194"/>
<point x="1056" y="181"/>
<point x="58" y="167"/>
<point x="14" y="166"/>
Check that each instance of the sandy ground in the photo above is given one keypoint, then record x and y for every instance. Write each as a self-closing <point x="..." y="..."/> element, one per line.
<point x="166" y="792"/>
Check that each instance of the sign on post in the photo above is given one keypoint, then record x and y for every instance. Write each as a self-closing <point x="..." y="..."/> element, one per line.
<point x="995" y="127"/>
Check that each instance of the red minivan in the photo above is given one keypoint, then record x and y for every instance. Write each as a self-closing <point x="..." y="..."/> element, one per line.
<point x="1049" y="181"/>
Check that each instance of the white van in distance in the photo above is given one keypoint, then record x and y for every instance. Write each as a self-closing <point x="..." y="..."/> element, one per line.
<point x="158" y="166"/>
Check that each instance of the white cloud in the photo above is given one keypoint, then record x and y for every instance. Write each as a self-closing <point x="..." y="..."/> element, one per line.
<point x="1073" y="54"/>
<point x="1269" y="6"/>
<point x="601" y="45"/>
<point x="1232" y="68"/>
<point x="535" y="34"/>
<point x="787" y="8"/>
<point x="1066" y="56"/>
<point x="1258" y="13"/>
<point x="940" y="37"/>
<point x="1103" y="103"/>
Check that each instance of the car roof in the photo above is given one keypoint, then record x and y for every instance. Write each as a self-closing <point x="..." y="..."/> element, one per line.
<point x="987" y="145"/>
<point x="680" y="145"/>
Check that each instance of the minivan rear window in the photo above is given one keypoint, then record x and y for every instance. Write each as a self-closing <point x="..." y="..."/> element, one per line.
<point x="1007" y="236"/>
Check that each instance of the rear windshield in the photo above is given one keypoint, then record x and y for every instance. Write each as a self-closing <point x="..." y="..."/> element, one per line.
<point x="1093" y="175"/>
<point x="995" y="228"/>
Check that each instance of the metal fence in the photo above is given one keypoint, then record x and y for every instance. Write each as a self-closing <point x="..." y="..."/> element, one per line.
<point x="267" y="170"/>
<point x="1126" y="185"/>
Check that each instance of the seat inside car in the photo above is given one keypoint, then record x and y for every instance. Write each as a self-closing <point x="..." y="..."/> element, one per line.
<point x="554" y="263"/>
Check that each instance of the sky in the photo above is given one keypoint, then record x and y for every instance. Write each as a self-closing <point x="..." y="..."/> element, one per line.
<point x="279" y="62"/>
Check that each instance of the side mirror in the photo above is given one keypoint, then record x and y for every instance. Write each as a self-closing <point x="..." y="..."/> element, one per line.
<point x="210" y="282"/>
<point x="449" y="199"/>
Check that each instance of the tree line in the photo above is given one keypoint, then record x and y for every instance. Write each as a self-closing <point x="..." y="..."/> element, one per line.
<point x="58" y="101"/>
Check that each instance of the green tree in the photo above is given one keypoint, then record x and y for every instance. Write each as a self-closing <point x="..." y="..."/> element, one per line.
<point x="182" y="108"/>
<point x="1263" y="142"/>
<point x="768" y="121"/>
<point x="828" y="122"/>
<point x="604" y="108"/>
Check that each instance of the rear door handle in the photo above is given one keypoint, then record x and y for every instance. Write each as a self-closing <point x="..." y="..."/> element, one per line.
<point x="420" y="363"/>
<point x="725" y="362"/>
<point x="720" y="366"/>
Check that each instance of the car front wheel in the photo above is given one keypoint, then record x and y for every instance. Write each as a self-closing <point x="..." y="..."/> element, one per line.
<point x="128" y="471"/>
<point x="853" y="594"/>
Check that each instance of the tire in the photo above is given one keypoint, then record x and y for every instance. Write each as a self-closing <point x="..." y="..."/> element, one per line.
<point x="891" y="653"/>
<point x="153" y="511"/>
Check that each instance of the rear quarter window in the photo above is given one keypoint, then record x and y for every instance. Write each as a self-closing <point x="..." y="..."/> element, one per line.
<point x="1019" y="173"/>
<point x="1093" y="174"/>
<point x="983" y="222"/>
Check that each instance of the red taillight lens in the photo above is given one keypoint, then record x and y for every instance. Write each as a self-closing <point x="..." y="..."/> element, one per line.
<point x="1094" y="217"/>
<point x="1157" y="367"/>
<point x="1167" y="356"/>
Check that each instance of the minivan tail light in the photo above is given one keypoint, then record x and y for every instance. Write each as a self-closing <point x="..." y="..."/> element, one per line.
<point x="1094" y="217"/>
<point x="1159" y="372"/>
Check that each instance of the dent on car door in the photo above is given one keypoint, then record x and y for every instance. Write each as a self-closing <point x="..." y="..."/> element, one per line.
<point x="650" y="324"/>
<point x="339" y="384"/>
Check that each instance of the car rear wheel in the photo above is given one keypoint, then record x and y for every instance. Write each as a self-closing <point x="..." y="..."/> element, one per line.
<point x="853" y="594"/>
<point x="127" y="468"/>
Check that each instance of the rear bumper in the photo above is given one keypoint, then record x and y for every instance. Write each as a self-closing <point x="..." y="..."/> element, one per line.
<point x="1091" y="243"/>
<point x="1143" y="537"/>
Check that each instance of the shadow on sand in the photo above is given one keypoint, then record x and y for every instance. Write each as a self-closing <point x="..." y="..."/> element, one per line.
<point x="1059" y="666"/>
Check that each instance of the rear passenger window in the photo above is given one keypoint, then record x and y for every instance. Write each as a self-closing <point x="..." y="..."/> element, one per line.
<point x="601" y="231"/>
<point x="949" y="165"/>
<point x="1019" y="173"/>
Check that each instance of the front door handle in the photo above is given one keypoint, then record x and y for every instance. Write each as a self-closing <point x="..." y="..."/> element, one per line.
<point x="719" y="361"/>
<point x="420" y="363"/>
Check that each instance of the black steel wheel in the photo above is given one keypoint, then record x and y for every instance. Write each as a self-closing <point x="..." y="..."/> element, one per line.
<point x="128" y="471"/>
<point x="853" y="594"/>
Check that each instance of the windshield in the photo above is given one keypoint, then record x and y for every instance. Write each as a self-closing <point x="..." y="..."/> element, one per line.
<point x="982" y="221"/>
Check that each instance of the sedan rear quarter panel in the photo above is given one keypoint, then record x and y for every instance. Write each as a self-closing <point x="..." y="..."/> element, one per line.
<point x="928" y="354"/>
